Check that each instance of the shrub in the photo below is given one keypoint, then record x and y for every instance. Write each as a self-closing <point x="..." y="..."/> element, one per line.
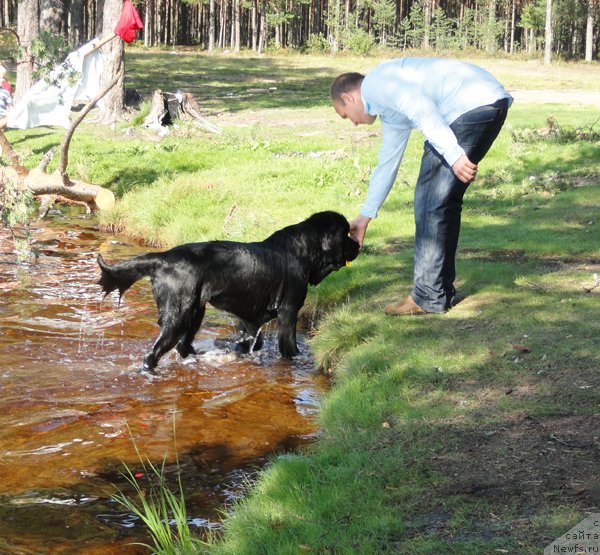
<point x="358" y="41"/>
<point x="318" y="44"/>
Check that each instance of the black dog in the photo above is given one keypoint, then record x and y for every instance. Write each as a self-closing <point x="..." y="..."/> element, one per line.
<point x="256" y="282"/>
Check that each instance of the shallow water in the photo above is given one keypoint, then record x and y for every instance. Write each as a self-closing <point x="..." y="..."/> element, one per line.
<point x="73" y="407"/>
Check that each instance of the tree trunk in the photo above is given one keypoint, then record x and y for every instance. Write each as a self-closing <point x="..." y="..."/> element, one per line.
<point x="236" y="26"/>
<point x="111" y="109"/>
<point x="28" y="27"/>
<point x="490" y="45"/>
<point x="254" y="26"/>
<point x="159" y="22"/>
<point x="347" y="14"/>
<point x="589" y="32"/>
<point x="76" y="31"/>
<point x="427" y="8"/>
<point x="51" y="15"/>
<point x="512" y="25"/>
<point x="88" y="194"/>
<point x="149" y="31"/>
<point x="262" y="38"/>
<point x="336" y="26"/>
<point x="223" y="23"/>
<point x="211" y="26"/>
<point x="548" y="34"/>
<point x="174" y="23"/>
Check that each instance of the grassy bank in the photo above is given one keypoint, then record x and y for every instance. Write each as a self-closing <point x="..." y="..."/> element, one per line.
<point x="470" y="432"/>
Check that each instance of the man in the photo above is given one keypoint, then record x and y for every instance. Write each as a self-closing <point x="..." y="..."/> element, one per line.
<point x="460" y="109"/>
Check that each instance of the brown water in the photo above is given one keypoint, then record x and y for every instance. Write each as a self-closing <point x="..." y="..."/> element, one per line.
<point x="73" y="406"/>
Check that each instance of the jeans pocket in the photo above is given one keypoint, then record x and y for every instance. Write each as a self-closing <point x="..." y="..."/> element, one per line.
<point x="474" y="128"/>
<point x="479" y="116"/>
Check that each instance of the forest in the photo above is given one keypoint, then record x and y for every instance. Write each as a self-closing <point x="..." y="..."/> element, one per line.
<point x="564" y="29"/>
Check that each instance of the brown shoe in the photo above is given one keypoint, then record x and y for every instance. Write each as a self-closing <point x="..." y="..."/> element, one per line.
<point x="407" y="307"/>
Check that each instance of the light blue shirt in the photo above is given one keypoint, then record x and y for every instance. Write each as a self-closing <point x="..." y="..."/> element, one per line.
<point x="423" y="93"/>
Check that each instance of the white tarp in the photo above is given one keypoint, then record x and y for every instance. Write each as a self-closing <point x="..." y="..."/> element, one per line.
<point x="49" y="103"/>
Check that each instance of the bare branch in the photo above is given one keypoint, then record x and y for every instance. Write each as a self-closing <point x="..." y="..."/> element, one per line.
<point x="47" y="158"/>
<point x="64" y="146"/>
<point x="9" y="151"/>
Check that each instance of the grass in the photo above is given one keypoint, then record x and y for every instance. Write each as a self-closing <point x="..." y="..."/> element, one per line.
<point x="162" y="510"/>
<point x="471" y="432"/>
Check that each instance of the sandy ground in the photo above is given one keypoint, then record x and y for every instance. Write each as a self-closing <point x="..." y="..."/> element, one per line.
<point x="573" y="98"/>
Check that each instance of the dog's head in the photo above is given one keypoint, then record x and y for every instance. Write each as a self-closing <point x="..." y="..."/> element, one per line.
<point x="321" y="243"/>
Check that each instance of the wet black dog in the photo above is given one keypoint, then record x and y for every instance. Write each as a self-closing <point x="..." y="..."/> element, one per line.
<point x="256" y="282"/>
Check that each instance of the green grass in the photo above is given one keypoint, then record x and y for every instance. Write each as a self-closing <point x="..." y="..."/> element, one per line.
<point x="460" y="433"/>
<point x="161" y="509"/>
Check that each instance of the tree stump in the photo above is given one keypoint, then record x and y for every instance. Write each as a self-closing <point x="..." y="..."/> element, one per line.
<point x="167" y="108"/>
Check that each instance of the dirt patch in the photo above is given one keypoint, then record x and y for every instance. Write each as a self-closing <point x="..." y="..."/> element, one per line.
<point x="583" y="262"/>
<point x="531" y="459"/>
<point x="513" y="473"/>
<point x="573" y="97"/>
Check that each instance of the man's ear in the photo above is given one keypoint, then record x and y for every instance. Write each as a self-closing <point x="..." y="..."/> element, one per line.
<point x="347" y="98"/>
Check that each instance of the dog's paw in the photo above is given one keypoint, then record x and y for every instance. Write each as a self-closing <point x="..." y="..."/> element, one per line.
<point x="241" y="347"/>
<point x="244" y="347"/>
<point x="289" y="351"/>
<point x="186" y="350"/>
<point x="147" y="370"/>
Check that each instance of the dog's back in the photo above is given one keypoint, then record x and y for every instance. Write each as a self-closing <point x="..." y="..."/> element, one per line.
<point x="217" y="262"/>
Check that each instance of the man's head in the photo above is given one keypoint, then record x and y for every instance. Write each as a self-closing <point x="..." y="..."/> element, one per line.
<point x="347" y="99"/>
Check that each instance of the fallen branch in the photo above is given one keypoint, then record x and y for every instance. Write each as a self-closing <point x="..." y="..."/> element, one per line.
<point x="57" y="187"/>
<point x="94" y="196"/>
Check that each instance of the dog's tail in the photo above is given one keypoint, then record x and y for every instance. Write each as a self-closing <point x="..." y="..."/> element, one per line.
<point x="124" y="274"/>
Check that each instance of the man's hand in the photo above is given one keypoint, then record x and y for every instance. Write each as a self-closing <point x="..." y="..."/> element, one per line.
<point x="358" y="228"/>
<point x="464" y="169"/>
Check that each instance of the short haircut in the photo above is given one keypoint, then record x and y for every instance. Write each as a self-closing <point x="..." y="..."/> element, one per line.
<point x="345" y="83"/>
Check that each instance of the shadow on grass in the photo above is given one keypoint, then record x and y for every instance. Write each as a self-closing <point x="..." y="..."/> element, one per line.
<point x="489" y="417"/>
<point x="231" y="83"/>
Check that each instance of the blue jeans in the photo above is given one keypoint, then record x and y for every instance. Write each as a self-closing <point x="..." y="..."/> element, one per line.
<point x="438" y="205"/>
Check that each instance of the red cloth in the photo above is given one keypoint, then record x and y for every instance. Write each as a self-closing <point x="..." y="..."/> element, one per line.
<point x="6" y="85"/>
<point x="129" y="22"/>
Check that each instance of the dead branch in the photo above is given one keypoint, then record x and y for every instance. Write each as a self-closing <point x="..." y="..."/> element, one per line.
<point x="64" y="146"/>
<point x="14" y="32"/>
<point x="46" y="159"/>
<point x="10" y="152"/>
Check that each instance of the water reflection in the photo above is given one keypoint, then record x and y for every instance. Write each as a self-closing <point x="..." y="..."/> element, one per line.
<point x="71" y="400"/>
